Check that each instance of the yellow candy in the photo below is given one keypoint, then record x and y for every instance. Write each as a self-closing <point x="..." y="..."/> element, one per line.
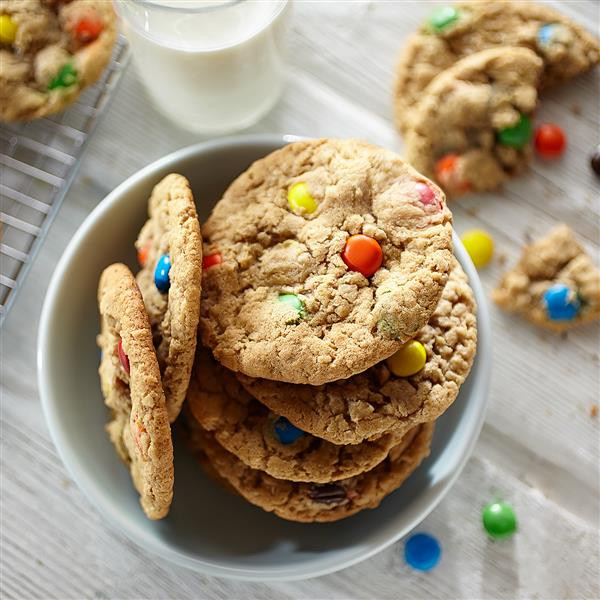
<point x="8" y="29"/>
<point x="479" y="245"/>
<point x="410" y="359"/>
<point x="300" y="200"/>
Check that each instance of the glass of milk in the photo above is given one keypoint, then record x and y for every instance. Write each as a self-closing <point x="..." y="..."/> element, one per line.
<point x="212" y="66"/>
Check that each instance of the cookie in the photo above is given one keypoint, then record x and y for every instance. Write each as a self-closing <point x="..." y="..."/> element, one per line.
<point x="326" y="256"/>
<point x="268" y="442"/>
<point x="378" y="402"/>
<point x="472" y="128"/>
<point x="131" y="386"/>
<point x="170" y="255"/>
<point x="554" y="285"/>
<point x="50" y="51"/>
<point x="310" y="502"/>
<point x="453" y="32"/>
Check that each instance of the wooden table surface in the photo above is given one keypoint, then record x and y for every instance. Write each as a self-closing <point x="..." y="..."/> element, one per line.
<point x="539" y="448"/>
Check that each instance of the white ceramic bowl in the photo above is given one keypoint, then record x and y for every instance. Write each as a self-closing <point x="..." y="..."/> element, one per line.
<point x="209" y="529"/>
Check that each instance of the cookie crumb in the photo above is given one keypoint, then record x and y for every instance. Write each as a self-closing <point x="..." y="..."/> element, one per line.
<point x="472" y="211"/>
<point x="576" y="109"/>
<point x="501" y="258"/>
<point x="594" y="411"/>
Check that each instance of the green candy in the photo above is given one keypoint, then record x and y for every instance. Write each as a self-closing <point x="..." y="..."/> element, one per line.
<point x="441" y="17"/>
<point x="294" y="302"/>
<point x="518" y="135"/>
<point x="66" y="76"/>
<point x="499" y="520"/>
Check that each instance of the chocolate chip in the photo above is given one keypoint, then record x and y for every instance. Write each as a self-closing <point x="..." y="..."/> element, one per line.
<point x="329" y="493"/>
<point x="595" y="160"/>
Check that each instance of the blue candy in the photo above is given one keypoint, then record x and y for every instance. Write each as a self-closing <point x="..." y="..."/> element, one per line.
<point x="161" y="274"/>
<point x="285" y="432"/>
<point x="548" y="33"/>
<point x="422" y="551"/>
<point x="562" y="303"/>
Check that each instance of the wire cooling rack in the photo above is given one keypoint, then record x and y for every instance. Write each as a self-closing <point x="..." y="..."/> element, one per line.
<point x="38" y="162"/>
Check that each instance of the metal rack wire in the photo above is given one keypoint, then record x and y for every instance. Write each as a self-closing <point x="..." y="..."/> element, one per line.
<point x="38" y="162"/>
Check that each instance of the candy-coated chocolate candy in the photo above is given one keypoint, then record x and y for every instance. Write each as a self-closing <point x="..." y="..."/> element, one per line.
<point x="518" y="135"/>
<point x="561" y="302"/>
<point x="426" y="194"/>
<point x="442" y="17"/>
<point x="300" y="200"/>
<point x="142" y="255"/>
<point x="123" y="357"/>
<point x="550" y="140"/>
<point x="66" y="76"/>
<point x="161" y="274"/>
<point x="8" y="29"/>
<point x="285" y="432"/>
<point x="480" y="246"/>
<point x="595" y="161"/>
<point x="87" y="29"/>
<point x="210" y="260"/>
<point x="293" y="301"/>
<point x="499" y="519"/>
<point x="550" y="33"/>
<point x="446" y="172"/>
<point x="328" y="493"/>
<point x="408" y="360"/>
<point x="363" y="254"/>
<point x="422" y="551"/>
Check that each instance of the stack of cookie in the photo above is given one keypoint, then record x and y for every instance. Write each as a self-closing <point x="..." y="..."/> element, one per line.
<point x="335" y="327"/>
<point x="467" y="84"/>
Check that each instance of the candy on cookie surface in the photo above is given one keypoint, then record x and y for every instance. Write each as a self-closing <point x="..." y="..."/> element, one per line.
<point x="554" y="285"/>
<point x="300" y="199"/>
<point x="409" y="360"/>
<point x="161" y="274"/>
<point x="363" y="254"/>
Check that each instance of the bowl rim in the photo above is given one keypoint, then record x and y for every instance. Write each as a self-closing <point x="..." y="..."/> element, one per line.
<point x="118" y="519"/>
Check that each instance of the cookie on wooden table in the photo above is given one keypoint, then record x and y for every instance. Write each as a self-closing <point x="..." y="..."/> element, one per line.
<point x="554" y="285"/>
<point x="50" y="51"/>
<point x="311" y="502"/>
<point x="386" y="398"/>
<point x="170" y="254"/>
<point x="455" y="31"/>
<point x="266" y="441"/>
<point x="325" y="256"/>
<point x="472" y="128"/>
<point x="132" y="389"/>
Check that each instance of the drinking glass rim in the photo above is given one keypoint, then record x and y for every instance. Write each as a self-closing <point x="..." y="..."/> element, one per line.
<point x="182" y="9"/>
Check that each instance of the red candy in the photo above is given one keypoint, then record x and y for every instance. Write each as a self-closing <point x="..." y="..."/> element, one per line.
<point x="142" y="255"/>
<point x="87" y="30"/>
<point x="211" y="260"/>
<point x="446" y="172"/>
<point x="550" y="140"/>
<point x="362" y="254"/>
<point x="123" y="357"/>
<point x="426" y="194"/>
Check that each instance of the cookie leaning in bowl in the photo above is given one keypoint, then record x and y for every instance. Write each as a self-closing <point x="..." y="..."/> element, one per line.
<point x="131" y="385"/>
<point x="310" y="502"/>
<point x="268" y="442"/>
<point x="554" y="284"/>
<point x="455" y="31"/>
<point x="50" y="51"/>
<point x="385" y="398"/>
<point x="322" y="259"/>
<point x="170" y="255"/>
<point x="472" y="128"/>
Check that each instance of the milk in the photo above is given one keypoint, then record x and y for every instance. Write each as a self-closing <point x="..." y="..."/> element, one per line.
<point x="210" y="66"/>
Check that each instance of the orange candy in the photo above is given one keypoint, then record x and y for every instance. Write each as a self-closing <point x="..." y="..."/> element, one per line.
<point x="87" y="30"/>
<point x="142" y="255"/>
<point x="362" y="254"/>
<point x="446" y="172"/>
<point x="211" y="260"/>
